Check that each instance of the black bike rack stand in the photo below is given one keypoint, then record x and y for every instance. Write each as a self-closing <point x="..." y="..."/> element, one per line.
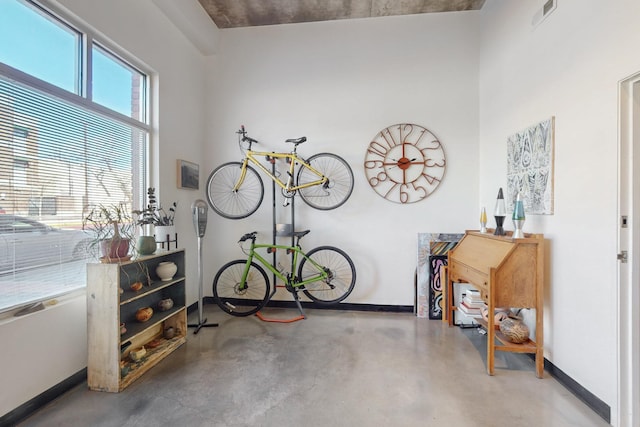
<point x="274" y="235"/>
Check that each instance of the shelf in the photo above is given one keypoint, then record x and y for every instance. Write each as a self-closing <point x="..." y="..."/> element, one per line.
<point x="109" y="367"/>
<point x="135" y="369"/>
<point x="129" y="295"/>
<point x="158" y="317"/>
<point x="528" y="346"/>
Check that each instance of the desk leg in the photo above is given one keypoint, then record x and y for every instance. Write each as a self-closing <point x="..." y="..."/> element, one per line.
<point x="539" y="363"/>
<point x="445" y="294"/>
<point x="491" y="330"/>
<point x="539" y="344"/>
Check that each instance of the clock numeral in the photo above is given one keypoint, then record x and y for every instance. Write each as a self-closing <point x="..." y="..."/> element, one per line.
<point x="433" y="163"/>
<point x="404" y="196"/>
<point x="425" y="193"/>
<point x="405" y="192"/>
<point x="430" y="179"/>
<point x="391" y="142"/>
<point x="432" y="145"/>
<point x="375" y="180"/>
<point x="406" y="137"/>
<point x="390" y="190"/>
<point x="373" y="164"/>
<point x="378" y="149"/>
<point x="438" y="159"/>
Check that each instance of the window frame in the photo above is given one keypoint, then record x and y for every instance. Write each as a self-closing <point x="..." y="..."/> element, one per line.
<point x="89" y="39"/>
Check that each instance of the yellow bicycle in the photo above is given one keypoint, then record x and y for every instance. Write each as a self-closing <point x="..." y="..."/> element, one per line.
<point x="235" y="189"/>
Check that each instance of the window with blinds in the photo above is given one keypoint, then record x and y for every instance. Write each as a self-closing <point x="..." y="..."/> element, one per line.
<point x="62" y="150"/>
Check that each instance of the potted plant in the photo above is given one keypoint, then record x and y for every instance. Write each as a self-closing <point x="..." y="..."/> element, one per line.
<point x="112" y="230"/>
<point x="154" y="214"/>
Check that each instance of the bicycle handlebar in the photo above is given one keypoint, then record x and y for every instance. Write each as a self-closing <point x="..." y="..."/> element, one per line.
<point x="248" y="236"/>
<point x="245" y="138"/>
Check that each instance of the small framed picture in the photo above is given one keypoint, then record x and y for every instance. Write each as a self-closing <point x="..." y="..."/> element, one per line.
<point x="188" y="175"/>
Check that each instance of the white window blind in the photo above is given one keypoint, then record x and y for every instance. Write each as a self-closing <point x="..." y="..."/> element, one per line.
<point x="62" y="151"/>
<point x="56" y="160"/>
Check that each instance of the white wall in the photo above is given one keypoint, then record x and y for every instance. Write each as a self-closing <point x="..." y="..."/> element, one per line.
<point x="41" y="356"/>
<point x="340" y="83"/>
<point x="568" y="67"/>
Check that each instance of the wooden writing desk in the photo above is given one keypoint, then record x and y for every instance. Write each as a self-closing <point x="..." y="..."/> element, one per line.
<point x="508" y="273"/>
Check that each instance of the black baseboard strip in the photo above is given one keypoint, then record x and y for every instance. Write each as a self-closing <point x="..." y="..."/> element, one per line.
<point x="23" y="411"/>
<point x="589" y="399"/>
<point x="341" y="306"/>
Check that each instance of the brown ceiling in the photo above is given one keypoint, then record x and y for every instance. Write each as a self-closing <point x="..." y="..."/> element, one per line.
<point x="248" y="13"/>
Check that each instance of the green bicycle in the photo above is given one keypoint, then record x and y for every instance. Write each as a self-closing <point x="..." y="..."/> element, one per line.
<point x="235" y="189"/>
<point x="325" y="274"/>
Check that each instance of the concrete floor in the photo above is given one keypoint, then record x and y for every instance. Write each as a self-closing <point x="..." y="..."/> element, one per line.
<point x="336" y="368"/>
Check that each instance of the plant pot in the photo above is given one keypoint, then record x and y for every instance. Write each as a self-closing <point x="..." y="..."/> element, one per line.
<point x="114" y="249"/>
<point x="146" y="245"/>
<point x="165" y="233"/>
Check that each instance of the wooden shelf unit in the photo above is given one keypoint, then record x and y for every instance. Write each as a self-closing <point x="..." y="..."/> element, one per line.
<point x="508" y="272"/>
<point x="109" y="367"/>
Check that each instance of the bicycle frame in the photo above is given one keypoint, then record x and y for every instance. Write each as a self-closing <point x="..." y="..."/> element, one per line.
<point x="292" y="158"/>
<point x="292" y="280"/>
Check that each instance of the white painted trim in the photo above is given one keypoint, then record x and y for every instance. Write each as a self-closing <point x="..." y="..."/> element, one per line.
<point x="627" y="413"/>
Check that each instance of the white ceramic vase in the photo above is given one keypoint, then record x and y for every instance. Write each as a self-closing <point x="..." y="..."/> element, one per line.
<point x="166" y="270"/>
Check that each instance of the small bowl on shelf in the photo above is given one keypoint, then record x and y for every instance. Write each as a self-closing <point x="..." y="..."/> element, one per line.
<point x="137" y="353"/>
<point x="166" y="270"/>
<point x="165" y="304"/>
<point x="143" y="314"/>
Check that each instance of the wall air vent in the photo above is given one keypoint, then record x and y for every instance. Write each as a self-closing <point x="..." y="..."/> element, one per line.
<point x="548" y="7"/>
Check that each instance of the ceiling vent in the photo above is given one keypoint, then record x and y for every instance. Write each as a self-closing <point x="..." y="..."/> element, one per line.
<point x="548" y="7"/>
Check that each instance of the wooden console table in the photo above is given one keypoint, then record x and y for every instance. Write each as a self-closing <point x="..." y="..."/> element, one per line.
<point x="508" y="272"/>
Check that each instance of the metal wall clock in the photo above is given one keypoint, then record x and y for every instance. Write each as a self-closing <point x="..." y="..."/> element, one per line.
<point x="404" y="163"/>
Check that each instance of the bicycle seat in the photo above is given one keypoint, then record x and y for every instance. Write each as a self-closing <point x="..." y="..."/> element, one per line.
<point x="297" y="140"/>
<point x="300" y="234"/>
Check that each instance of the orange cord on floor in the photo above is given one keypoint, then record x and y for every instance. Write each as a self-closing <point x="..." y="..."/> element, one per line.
<point x="266" y="319"/>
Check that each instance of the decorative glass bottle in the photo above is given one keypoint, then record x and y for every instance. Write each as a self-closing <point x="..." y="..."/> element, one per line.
<point x="518" y="217"/>
<point x="499" y="214"/>
<point x="483" y="220"/>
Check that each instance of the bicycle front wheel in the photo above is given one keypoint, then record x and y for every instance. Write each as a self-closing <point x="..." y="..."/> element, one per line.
<point x="234" y="203"/>
<point x="339" y="267"/>
<point x="334" y="192"/>
<point x="238" y="298"/>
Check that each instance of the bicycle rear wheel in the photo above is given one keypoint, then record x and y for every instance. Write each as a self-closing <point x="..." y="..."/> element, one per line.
<point x="336" y="191"/>
<point x="342" y="275"/>
<point x="230" y="203"/>
<point x="235" y="297"/>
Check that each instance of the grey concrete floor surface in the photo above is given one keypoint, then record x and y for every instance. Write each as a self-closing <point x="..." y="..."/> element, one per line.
<point x="335" y="368"/>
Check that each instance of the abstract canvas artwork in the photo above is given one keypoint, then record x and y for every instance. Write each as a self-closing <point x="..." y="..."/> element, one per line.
<point x="432" y="255"/>
<point x="530" y="168"/>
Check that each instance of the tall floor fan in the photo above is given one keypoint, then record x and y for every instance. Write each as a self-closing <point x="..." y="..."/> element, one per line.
<point x="199" y="212"/>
